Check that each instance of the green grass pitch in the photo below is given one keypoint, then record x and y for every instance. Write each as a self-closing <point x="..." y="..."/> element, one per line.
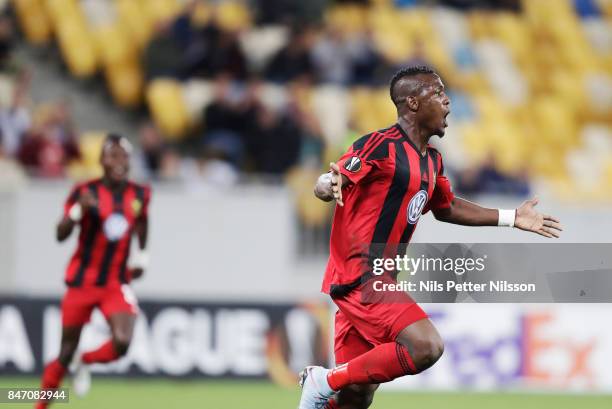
<point x="166" y="394"/>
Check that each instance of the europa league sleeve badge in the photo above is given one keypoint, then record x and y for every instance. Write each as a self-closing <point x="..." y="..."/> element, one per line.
<point x="353" y="164"/>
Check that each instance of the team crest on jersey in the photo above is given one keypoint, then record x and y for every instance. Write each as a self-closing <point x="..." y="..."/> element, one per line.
<point x="136" y="207"/>
<point x="353" y="164"/>
<point x="115" y="226"/>
<point x="416" y="205"/>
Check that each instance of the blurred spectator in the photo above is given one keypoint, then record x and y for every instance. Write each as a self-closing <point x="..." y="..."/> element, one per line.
<point x="368" y="64"/>
<point x="277" y="144"/>
<point x="514" y="5"/>
<point x="294" y="60"/>
<point x="311" y="144"/>
<point x="225" y="56"/>
<point x="163" y="56"/>
<point x="15" y="118"/>
<point x="182" y="27"/>
<point x="6" y="44"/>
<point x="50" y="144"/>
<point x="170" y="166"/>
<point x="289" y="12"/>
<point x="153" y="149"/>
<point x="486" y="178"/>
<point x="418" y="57"/>
<point x="209" y="50"/>
<point x="332" y="58"/>
<point x="226" y="120"/>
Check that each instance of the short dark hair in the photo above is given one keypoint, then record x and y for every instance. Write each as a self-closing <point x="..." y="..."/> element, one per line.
<point x="114" y="138"/>
<point x="407" y="72"/>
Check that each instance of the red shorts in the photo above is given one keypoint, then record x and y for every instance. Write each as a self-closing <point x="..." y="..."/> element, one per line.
<point x="78" y="303"/>
<point x="365" y="321"/>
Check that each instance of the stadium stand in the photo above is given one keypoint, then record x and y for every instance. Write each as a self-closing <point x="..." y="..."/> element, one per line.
<point x="519" y="115"/>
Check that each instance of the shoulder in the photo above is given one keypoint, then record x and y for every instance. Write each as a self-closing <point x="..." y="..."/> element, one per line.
<point x="87" y="184"/>
<point x="375" y="145"/>
<point x="437" y="157"/>
<point x="141" y="189"/>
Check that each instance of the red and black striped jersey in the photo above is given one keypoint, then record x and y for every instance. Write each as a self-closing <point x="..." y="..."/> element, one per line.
<point x="392" y="184"/>
<point x="106" y="230"/>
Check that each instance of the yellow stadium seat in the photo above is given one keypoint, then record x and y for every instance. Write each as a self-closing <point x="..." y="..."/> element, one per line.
<point x="202" y="14"/>
<point x="78" y="48"/>
<point x="90" y="145"/>
<point x="415" y="23"/>
<point x="386" y="113"/>
<point x="347" y="18"/>
<point x="168" y="108"/>
<point x="311" y="211"/>
<point x="135" y="21"/>
<point x="363" y="111"/>
<point x="479" y="25"/>
<point x="125" y="82"/>
<point x="60" y="10"/>
<point x="160" y="10"/>
<point x="476" y="144"/>
<point x="114" y="45"/>
<point x="33" y="20"/>
<point x="233" y="15"/>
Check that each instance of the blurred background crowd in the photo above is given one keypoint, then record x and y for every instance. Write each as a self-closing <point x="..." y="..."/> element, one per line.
<point x="222" y="92"/>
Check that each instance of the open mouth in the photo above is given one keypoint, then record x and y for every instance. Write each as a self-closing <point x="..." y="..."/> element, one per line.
<point x="445" y="118"/>
<point x="119" y="171"/>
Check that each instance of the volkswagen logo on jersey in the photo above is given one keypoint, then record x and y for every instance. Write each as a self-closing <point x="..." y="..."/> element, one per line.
<point x="115" y="226"/>
<point x="353" y="164"/>
<point x="416" y="205"/>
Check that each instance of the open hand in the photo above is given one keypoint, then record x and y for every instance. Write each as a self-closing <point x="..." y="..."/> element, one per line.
<point x="336" y="183"/>
<point x="529" y="219"/>
<point x="87" y="200"/>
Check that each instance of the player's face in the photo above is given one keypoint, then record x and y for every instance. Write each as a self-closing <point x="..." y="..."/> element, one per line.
<point x="436" y="106"/>
<point x="116" y="162"/>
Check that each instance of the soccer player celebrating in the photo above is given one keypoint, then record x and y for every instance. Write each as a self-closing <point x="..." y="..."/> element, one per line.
<point x="108" y="211"/>
<point x="382" y="185"/>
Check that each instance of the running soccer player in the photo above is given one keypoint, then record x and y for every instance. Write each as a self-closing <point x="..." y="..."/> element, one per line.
<point x="108" y="211"/>
<point x="382" y="185"/>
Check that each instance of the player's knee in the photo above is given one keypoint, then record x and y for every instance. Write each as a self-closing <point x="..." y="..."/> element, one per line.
<point x="121" y="342"/>
<point x="357" y="396"/>
<point x="426" y="352"/>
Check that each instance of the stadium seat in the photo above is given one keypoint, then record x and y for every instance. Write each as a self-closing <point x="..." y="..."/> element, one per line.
<point x="160" y="10"/>
<point x="330" y="105"/>
<point x="198" y="94"/>
<point x="363" y="113"/>
<point x="168" y="108"/>
<point x="33" y="20"/>
<point x="78" y="48"/>
<point x="350" y="18"/>
<point x="233" y="15"/>
<point x="261" y="43"/>
<point x="311" y="211"/>
<point x="62" y="10"/>
<point x="90" y="145"/>
<point x="125" y="82"/>
<point x="114" y="45"/>
<point x="274" y="96"/>
<point x="135" y="21"/>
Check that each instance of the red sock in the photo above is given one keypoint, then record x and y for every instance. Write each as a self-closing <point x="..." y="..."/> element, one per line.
<point x="106" y="353"/>
<point x="381" y="364"/>
<point x="52" y="378"/>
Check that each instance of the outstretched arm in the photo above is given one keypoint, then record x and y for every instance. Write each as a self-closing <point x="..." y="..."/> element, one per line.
<point x="526" y="217"/>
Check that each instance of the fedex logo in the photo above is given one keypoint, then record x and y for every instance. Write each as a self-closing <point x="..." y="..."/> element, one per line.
<point x="517" y="348"/>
